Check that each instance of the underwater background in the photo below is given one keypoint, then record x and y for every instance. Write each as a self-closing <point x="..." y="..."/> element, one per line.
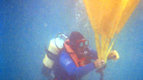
<point x="26" y="26"/>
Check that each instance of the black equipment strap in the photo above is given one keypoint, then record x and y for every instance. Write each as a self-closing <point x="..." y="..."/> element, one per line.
<point x="51" y="55"/>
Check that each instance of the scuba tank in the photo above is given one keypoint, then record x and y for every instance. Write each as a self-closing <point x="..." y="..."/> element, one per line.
<point x="52" y="51"/>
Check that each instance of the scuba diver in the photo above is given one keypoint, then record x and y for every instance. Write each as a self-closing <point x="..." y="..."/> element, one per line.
<point x="73" y="59"/>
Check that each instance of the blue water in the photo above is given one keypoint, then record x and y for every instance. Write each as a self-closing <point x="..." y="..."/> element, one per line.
<point x="26" y="26"/>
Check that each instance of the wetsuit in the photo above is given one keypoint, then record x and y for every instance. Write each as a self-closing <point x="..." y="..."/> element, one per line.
<point x="65" y="68"/>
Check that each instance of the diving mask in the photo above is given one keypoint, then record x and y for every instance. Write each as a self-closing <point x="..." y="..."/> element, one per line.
<point x="82" y="43"/>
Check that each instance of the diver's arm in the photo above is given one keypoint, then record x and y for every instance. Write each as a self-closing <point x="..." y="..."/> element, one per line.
<point x="68" y="64"/>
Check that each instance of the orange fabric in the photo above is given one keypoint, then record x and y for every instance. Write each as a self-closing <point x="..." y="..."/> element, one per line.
<point x="74" y="56"/>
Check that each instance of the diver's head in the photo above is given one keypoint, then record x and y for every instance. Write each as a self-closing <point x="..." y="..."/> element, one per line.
<point x="75" y="36"/>
<point x="78" y="42"/>
<point x="113" y="55"/>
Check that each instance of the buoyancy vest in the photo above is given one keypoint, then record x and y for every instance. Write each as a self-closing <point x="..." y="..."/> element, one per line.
<point x="78" y="62"/>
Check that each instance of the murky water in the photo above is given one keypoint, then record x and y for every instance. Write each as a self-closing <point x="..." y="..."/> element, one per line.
<point x="26" y="26"/>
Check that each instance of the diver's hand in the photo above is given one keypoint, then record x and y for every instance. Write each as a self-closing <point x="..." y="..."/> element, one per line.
<point x="98" y="63"/>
